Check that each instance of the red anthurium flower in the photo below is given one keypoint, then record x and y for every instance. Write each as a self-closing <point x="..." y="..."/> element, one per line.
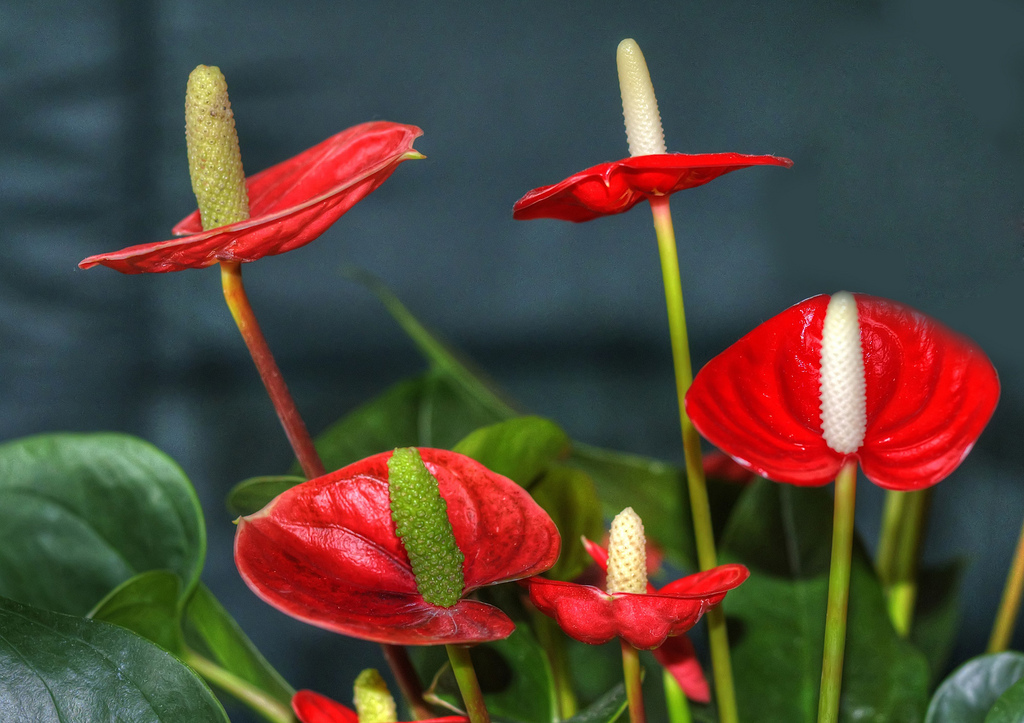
<point x="847" y="376"/>
<point x="676" y="654"/>
<point x="312" y="707"/>
<point x="610" y="188"/>
<point x="290" y="204"/>
<point x="644" y="620"/>
<point x="326" y="552"/>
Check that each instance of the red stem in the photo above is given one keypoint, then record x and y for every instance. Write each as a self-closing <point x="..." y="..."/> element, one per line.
<point x="294" y="427"/>
<point x="302" y="445"/>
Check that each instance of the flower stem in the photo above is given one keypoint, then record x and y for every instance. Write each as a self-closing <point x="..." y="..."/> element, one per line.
<point x="301" y="442"/>
<point x="551" y="639"/>
<point x="407" y="679"/>
<point x="700" y="508"/>
<point x="838" y="593"/>
<point x="469" y="686"/>
<point x="901" y="594"/>
<point x="634" y="687"/>
<point x="888" y="540"/>
<point x="675" y="700"/>
<point x="1009" y="606"/>
<point x="240" y="689"/>
<point x="294" y="427"/>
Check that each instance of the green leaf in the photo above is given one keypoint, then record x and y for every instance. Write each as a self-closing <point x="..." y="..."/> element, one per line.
<point x="521" y="448"/>
<point x="777" y="617"/>
<point x="146" y="604"/>
<point x="937" y="614"/>
<point x="972" y="690"/>
<point x="569" y="497"/>
<point x="212" y="632"/>
<point x="57" y="667"/>
<point x="605" y="709"/>
<point x="83" y="513"/>
<point x="429" y="410"/>
<point x="514" y="675"/>
<point x="1010" y="706"/>
<point x="252" y="495"/>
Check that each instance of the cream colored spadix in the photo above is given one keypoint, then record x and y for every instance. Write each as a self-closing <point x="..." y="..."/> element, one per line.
<point x="639" y="106"/>
<point x="627" y="554"/>
<point x="843" y="405"/>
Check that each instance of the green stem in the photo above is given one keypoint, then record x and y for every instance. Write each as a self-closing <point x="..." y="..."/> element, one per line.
<point x="838" y="593"/>
<point x="675" y="700"/>
<point x="469" y="686"/>
<point x="269" y="708"/>
<point x="634" y="687"/>
<point x="700" y="507"/>
<point x="287" y="412"/>
<point x="888" y="540"/>
<point x="902" y="592"/>
<point x="1009" y="606"/>
<point x="552" y="640"/>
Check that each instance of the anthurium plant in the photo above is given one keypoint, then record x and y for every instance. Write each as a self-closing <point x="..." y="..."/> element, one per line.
<point x="468" y="538"/>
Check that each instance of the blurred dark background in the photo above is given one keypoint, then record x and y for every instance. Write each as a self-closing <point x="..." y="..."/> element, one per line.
<point x="905" y="120"/>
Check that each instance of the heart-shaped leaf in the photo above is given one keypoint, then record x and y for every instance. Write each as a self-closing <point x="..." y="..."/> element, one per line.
<point x="972" y="690"/>
<point x="253" y="494"/>
<point x="212" y="632"/>
<point x="777" y="617"/>
<point x="568" y="495"/>
<point x="85" y="512"/>
<point x="521" y="448"/>
<point x="147" y="604"/>
<point x="1010" y="706"/>
<point x="56" y="667"/>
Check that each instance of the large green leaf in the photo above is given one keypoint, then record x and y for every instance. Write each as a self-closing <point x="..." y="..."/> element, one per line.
<point x="56" y="668"/>
<point x="430" y="410"/>
<point x="83" y="513"/>
<point x="252" y="495"/>
<point x="971" y="691"/>
<point x="212" y="632"/>
<point x="777" y="617"/>
<point x="521" y="448"/>
<point x="148" y="605"/>
<point x="937" y="614"/>
<point x="568" y="496"/>
<point x="1009" y="708"/>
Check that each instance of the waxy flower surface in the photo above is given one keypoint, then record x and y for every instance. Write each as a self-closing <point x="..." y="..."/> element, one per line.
<point x="311" y="707"/>
<point x="290" y="204"/>
<point x="615" y="187"/>
<point x="841" y="377"/>
<point x="644" y="620"/>
<point x="326" y="552"/>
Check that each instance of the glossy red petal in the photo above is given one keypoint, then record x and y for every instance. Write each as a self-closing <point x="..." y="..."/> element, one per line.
<point x="679" y="658"/>
<point x="615" y="187"/>
<point x="929" y="393"/>
<point x="592" y="616"/>
<point x="758" y="401"/>
<point x="290" y="204"/>
<point x="326" y="552"/>
<point x="312" y="707"/>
